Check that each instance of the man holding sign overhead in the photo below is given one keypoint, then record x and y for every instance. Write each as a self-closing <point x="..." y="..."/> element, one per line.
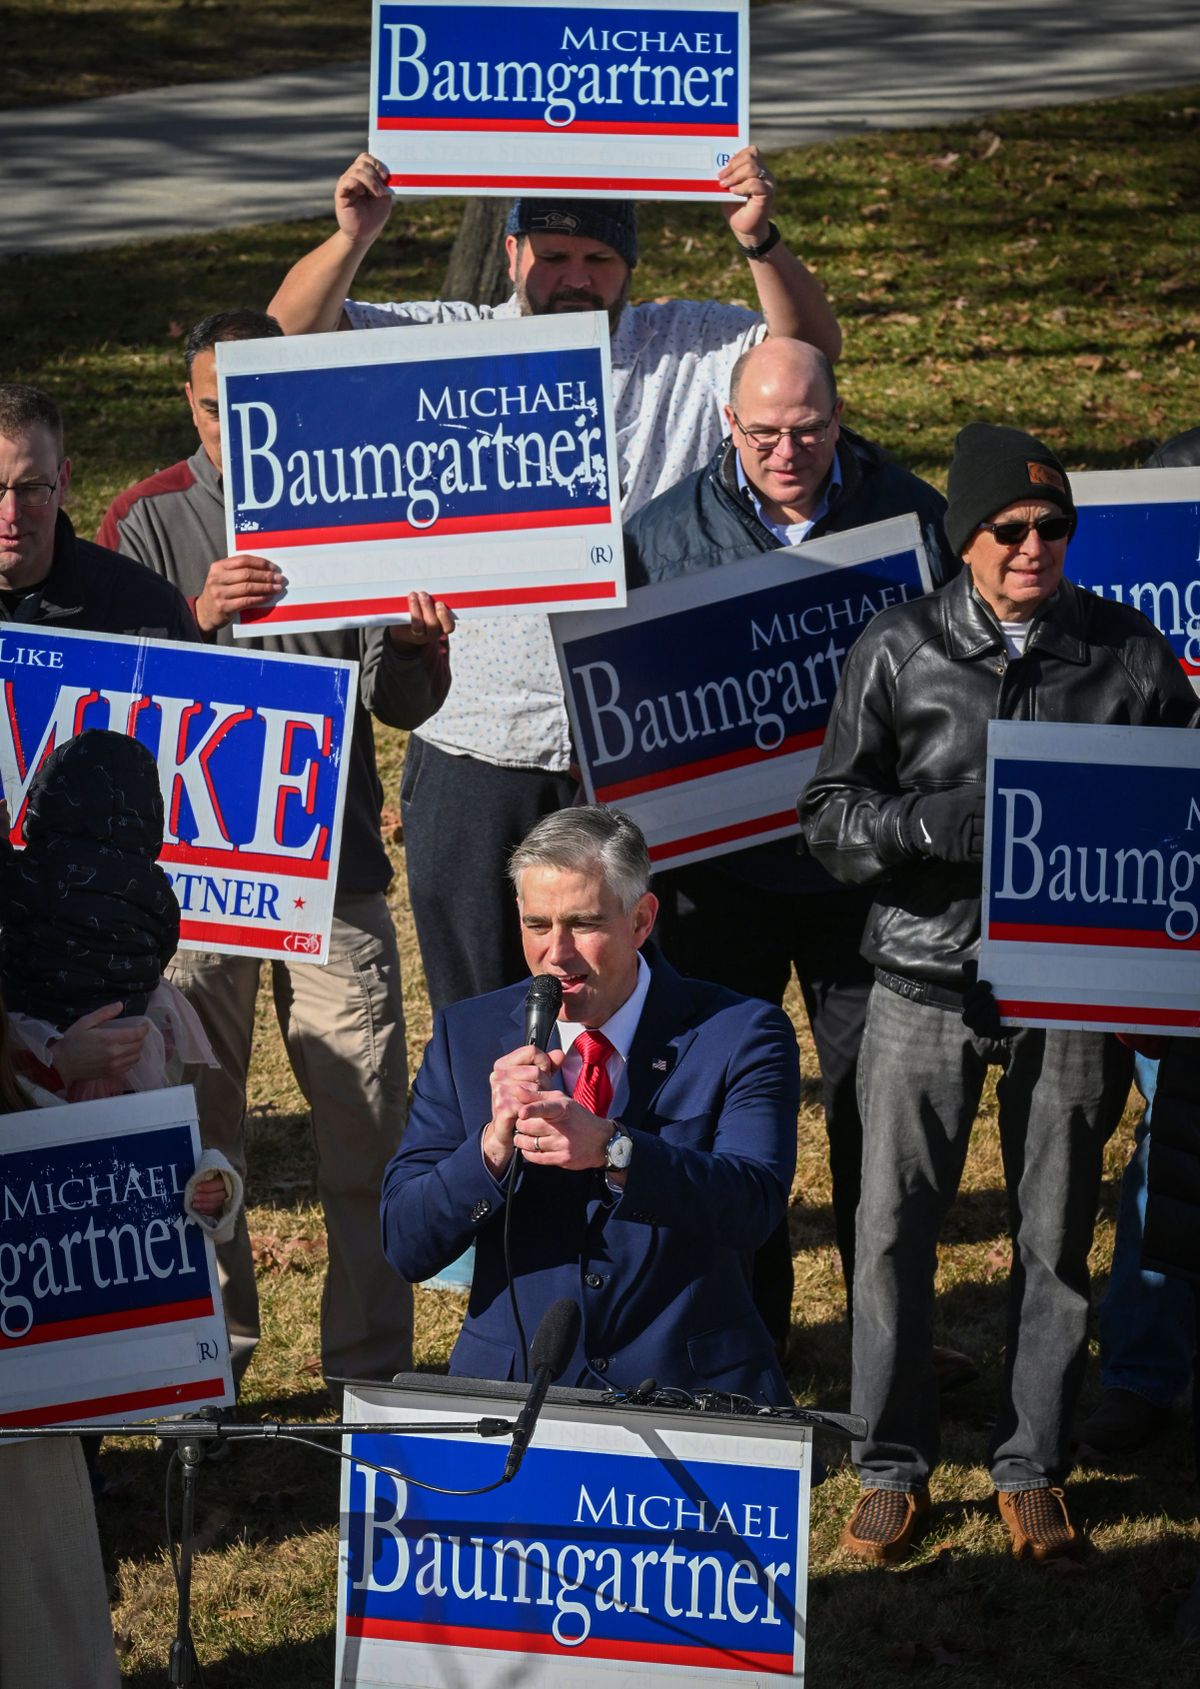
<point x="897" y="804"/>
<point x="499" y="755"/>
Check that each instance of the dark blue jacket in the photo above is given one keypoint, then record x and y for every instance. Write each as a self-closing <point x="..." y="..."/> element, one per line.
<point x="662" y="1272"/>
<point x="707" y="520"/>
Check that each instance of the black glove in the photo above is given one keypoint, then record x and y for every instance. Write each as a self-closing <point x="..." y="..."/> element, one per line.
<point x="981" y="1012"/>
<point x="947" y="826"/>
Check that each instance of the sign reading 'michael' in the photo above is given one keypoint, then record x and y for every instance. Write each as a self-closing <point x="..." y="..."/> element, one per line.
<point x="472" y="460"/>
<point x="560" y="96"/>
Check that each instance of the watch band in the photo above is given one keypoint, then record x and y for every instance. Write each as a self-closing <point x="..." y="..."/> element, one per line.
<point x="764" y="246"/>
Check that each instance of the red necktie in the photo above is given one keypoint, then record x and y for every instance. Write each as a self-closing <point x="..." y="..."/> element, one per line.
<point x="593" y="1088"/>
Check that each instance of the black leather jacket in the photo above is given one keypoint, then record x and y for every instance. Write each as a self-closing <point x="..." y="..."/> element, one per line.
<point x="917" y="692"/>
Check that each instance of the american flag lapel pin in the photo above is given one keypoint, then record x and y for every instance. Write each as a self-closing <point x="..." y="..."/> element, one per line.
<point x="659" y="1064"/>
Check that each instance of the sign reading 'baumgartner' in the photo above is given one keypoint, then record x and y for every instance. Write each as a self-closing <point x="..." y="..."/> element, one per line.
<point x="702" y="709"/>
<point x="1092" y="876"/>
<point x="560" y="96"/>
<point x="474" y="460"/>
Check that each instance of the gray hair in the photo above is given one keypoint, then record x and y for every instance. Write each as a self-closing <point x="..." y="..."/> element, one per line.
<point x="23" y="408"/>
<point x="582" y="840"/>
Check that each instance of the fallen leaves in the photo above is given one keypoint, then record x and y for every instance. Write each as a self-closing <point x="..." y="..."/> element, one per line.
<point x="273" y="1254"/>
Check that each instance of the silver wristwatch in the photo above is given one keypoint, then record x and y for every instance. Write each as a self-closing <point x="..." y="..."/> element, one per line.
<point x="619" y="1151"/>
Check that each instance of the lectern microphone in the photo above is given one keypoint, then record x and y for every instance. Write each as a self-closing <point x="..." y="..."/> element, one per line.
<point x="553" y="1345"/>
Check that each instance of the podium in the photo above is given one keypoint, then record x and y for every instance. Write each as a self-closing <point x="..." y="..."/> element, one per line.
<point x="635" y="1545"/>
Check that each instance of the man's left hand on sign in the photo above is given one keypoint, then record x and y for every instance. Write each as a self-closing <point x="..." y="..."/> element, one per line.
<point x="234" y="584"/>
<point x="428" y="620"/>
<point x="555" y="1131"/>
<point x="747" y="173"/>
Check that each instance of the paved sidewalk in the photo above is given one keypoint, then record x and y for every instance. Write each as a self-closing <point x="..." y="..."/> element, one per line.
<point x="219" y="154"/>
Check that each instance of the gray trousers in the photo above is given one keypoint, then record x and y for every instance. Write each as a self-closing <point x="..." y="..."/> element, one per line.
<point x="1061" y="1094"/>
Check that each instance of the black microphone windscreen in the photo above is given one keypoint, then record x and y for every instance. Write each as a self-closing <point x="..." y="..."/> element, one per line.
<point x="556" y="1336"/>
<point x="543" y="1000"/>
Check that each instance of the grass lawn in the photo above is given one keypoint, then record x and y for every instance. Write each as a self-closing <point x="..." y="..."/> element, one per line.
<point x="1039" y="269"/>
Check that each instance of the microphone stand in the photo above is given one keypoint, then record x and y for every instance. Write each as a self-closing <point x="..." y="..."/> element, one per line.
<point x="190" y="1436"/>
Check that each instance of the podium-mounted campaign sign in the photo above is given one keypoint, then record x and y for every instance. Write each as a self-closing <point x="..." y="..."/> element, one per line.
<point x="701" y="710"/>
<point x="253" y="753"/>
<point x="476" y="461"/>
<point x="1138" y="541"/>
<point x="560" y="97"/>
<point x="635" y="1546"/>
<point x="109" y="1307"/>
<point x="1091" y="884"/>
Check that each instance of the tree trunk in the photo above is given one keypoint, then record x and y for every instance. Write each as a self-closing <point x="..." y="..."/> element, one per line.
<point x="478" y="267"/>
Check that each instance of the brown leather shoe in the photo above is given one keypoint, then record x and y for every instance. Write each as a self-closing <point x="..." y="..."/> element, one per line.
<point x="1038" y="1525"/>
<point x="882" y="1527"/>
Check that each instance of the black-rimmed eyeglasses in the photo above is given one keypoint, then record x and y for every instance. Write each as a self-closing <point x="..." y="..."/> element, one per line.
<point x="807" y="434"/>
<point x="31" y="495"/>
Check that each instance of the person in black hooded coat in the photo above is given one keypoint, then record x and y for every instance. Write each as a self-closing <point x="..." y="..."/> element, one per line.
<point x="86" y="914"/>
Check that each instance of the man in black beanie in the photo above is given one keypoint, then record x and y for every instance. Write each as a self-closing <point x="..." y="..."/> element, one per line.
<point x="897" y="804"/>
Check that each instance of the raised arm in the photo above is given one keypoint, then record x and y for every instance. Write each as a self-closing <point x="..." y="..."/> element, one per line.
<point x="792" y="299"/>
<point x="311" y="295"/>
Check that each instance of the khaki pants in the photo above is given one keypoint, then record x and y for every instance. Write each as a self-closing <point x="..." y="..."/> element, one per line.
<point x="343" y="1025"/>
<point x="55" y="1629"/>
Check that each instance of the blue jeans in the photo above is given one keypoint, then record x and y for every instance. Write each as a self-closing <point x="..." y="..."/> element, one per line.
<point x="1147" y="1321"/>
<point x="1061" y="1094"/>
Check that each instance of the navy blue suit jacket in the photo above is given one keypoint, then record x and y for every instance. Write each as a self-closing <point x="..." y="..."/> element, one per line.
<point x="662" y="1272"/>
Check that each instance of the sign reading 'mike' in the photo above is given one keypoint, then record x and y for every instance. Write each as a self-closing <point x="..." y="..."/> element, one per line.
<point x="474" y="460"/>
<point x="560" y="97"/>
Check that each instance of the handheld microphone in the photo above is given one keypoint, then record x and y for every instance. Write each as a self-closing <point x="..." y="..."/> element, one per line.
<point x="543" y="1000"/>
<point x="553" y="1345"/>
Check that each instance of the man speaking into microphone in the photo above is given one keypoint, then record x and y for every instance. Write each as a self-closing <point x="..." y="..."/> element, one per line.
<point x="655" y="1137"/>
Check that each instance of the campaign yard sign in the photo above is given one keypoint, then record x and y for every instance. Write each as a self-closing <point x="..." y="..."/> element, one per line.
<point x="560" y="97"/>
<point x="701" y="710"/>
<point x="1138" y="541"/>
<point x="474" y="460"/>
<point x="252" y="759"/>
<point x="1091" y="884"/>
<point x="109" y="1307"/>
<point x="649" y="1548"/>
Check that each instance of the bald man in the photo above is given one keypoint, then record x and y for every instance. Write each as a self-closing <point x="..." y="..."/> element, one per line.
<point x="787" y="472"/>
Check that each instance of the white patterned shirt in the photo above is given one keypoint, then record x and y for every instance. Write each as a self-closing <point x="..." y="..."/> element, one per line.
<point x="671" y="365"/>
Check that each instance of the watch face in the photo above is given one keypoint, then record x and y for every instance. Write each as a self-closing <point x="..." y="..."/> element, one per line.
<point x="620" y="1150"/>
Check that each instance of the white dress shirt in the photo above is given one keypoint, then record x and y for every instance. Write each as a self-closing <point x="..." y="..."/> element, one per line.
<point x="619" y="1029"/>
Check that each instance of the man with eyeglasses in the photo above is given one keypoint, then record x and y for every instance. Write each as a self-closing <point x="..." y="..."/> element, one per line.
<point x="787" y="472"/>
<point x="897" y="806"/>
<point x="47" y="573"/>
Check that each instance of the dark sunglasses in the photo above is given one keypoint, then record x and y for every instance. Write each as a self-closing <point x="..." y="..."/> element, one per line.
<point x="1016" y="533"/>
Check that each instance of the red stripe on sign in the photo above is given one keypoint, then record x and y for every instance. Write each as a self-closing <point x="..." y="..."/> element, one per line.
<point x="246" y="862"/>
<point x="1121" y="938"/>
<point x="253" y="938"/>
<point x="531" y="595"/>
<point x="722" y="835"/>
<point x="129" y="1319"/>
<point x="1189" y="668"/>
<point x="1099" y="1011"/>
<point x="592" y="516"/>
<point x="538" y="1642"/>
<point x="538" y="126"/>
<point x="165" y="1396"/>
<point x="614" y="185"/>
<point x="710" y="765"/>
